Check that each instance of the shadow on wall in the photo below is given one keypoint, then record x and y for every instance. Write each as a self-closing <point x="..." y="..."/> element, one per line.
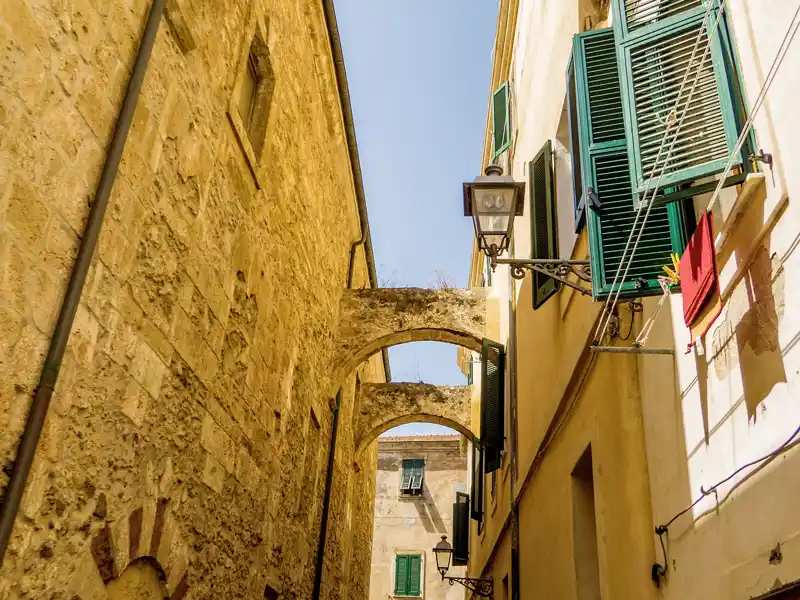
<point x="428" y="513"/>
<point x="753" y="315"/>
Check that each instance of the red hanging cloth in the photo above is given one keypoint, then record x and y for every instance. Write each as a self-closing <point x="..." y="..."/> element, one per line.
<point x="699" y="280"/>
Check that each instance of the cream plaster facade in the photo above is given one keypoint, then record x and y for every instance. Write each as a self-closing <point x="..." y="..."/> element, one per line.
<point x="414" y="525"/>
<point x="659" y="427"/>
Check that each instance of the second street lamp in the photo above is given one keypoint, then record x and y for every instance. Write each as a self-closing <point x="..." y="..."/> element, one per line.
<point x="493" y="201"/>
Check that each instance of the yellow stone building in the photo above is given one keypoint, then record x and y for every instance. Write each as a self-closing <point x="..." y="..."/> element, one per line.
<point x="185" y="451"/>
<point x="643" y="471"/>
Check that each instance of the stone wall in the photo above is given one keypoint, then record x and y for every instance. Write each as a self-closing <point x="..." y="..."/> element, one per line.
<point x="414" y="525"/>
<point x="191" y="419"/>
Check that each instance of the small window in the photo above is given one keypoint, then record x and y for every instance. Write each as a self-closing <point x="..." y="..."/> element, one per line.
<point x="408" y="575"/>
<point x="501" y="122"/>
<point x="412" y="477"/>
<point x="256" y="95"/>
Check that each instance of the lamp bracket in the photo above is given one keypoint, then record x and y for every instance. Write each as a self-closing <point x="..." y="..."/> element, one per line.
<point x="554" y="268"/>
<point x="481" y="586"/>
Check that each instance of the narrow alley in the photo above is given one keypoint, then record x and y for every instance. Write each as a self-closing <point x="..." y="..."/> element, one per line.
<point x="596" y="397"/>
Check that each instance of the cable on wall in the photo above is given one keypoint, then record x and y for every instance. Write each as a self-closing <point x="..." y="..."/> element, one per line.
<point x="660" y="571"/>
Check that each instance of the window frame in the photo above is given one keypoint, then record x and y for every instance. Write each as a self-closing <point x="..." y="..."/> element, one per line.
<point x="413" y="469"/>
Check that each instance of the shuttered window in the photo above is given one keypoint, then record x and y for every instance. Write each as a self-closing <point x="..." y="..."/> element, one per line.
<point x="501" y="122"/>
<point x="460" y="530"/>
<point x="606" y="176"/>
<point x="407" y="575"/>
<point x="544" y="243"/>
<point x="412" y="475"/>
<point x="492" y="403"/>
<point x="476" y="499"/>
<point x="662" y="60"/>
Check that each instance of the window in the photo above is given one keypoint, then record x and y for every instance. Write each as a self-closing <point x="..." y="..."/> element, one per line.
<point x="656" y="43"/>
<point x="544" y="226"/>
<point x="460" y="530"/>
<point x="255" y="95"/>
<point x="249" y="105"/>
<point x="608" y="193"/>
<point x="584" y="529"/>
<point x="408" y="575"/>
<point x="637" y="135"/>
<point x="492" y="403"/>
<point x="476" y="494"/>
<point x="412" y="476"/>
<point x="501" y="122"/>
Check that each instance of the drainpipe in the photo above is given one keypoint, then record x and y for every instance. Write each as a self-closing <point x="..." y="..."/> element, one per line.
<point x="326" y="503"/>
<point x="58" y="343"/>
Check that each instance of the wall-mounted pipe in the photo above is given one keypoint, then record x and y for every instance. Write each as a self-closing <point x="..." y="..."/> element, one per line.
<point x="58" y="343"/>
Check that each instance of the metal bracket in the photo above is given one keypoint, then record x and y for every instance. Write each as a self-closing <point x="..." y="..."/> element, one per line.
<point x="554" y="268"/>
<point x="765" y="158"/>
<point x="483" y="587"/>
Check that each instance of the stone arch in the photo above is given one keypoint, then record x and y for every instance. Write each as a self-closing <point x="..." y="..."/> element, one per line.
<point x="373" y="319"/>
<point x="147" y="537"/>
<point x="386" y="405"/>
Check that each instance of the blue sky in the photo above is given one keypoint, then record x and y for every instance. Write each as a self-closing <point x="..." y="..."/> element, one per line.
<point x="418" y="72"/>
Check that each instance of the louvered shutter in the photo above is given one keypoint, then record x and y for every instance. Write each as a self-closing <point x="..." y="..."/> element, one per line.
<point x="492" y="403"/>
<point x="605" y="170"/>
<point x="401" y="575"/>
<point x="414" y="574"/>
<point x="575" y="148"/>
<point x="544" y="242"/>
<point x="460" y="530"/>
<point x="500" y="120"/>
<point x="476" y="501"/>
<point x="656" y="40"/>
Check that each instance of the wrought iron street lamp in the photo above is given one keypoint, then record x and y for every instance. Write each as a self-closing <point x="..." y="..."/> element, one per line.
<point x="493" y="200"/>
<point x="481" y="586"/>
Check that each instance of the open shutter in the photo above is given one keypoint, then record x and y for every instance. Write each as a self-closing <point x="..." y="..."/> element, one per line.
<point x="405" y="477"/>
<point x="500" y="120"/>
<point x="476" y="501"/>
<point x="414" y="574"/>
<point x="606" y="177"/>
<point x="492" y="403"/>
<point x="575" y="148"/>
<point x="544" y="242"/>
<point x="656" y="39"/>
<point x="460" y="530"/>
<point x="401" y="575"/>
<point x="417" y="475"/>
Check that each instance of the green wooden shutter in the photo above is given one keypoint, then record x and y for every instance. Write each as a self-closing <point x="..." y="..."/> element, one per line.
<point x="401" y="575"/>
<point x="575" y="148"/>
<point x="476" y="500"/>
<point x="544" y="226"/>
<point x="414" y="574"/>
<point x="606" y="174"/>
<point x="492" y="403"/>
<point x="417" y="475"/>
<point x="500" y="120"/>
<point x="460" y="530"/>
<point x="656" y="39"/>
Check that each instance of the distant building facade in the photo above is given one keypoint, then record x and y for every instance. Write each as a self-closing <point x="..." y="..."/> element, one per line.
<point x="416" y="482"/>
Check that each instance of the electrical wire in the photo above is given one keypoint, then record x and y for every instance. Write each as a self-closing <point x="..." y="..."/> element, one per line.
<point x="606" y="314"/>
<point x="707" y="492"/>
<point x="658" y="570"/>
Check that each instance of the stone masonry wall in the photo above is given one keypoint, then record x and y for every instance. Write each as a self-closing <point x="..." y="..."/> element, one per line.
<point x="191" y="419"/>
